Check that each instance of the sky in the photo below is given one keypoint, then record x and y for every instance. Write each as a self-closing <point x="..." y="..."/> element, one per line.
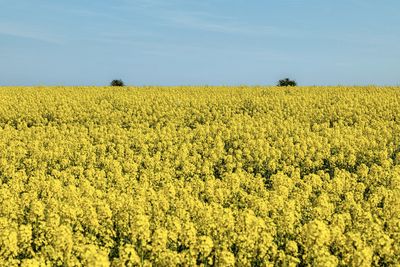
<point x="202" y="42"/>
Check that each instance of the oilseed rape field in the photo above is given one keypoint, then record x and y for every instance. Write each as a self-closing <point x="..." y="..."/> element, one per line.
<point x="200" y="176"/>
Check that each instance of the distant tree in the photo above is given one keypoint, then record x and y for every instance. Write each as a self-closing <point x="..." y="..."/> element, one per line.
<point x="117" y="83"/>
<point x="286" y="82"/>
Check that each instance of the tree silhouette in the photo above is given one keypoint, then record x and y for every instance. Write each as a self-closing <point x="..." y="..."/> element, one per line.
<point x="286" y="82"/>
<point x="117" y="83"/>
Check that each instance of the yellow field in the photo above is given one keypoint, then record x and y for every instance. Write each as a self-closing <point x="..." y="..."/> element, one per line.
<point x="222" y="176"/>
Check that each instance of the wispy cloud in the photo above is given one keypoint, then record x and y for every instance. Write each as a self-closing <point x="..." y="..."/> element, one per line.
<point x="145" y="4"/>
<point x="192" y="50"/>
<point x="33" y="35"/>
<point x="194" y="15"/>
<point x="27" y="32"/>
<point x="222" y="25"/>
<point x="178" y="15"/>
<point x="96" y="14"/>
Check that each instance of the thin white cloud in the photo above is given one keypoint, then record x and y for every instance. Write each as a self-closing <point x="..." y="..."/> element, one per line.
<point x="365" y="37"/>
<point x="29" y="33"/>
<point x="195" y="15"/>
<point x="148" y="3"/>
<point x="202" y="23"/>
<point x="171" y="49"/>
<point x="95" y="14"/>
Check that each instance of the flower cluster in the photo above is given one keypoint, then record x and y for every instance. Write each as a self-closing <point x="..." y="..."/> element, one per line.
<point x="208" y="176"/>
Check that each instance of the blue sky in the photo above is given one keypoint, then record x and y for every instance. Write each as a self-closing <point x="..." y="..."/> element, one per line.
<point x="187" y="42"/>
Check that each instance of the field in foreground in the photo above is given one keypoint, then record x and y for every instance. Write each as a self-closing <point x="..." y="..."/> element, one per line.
<point x="200" y="176"/>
